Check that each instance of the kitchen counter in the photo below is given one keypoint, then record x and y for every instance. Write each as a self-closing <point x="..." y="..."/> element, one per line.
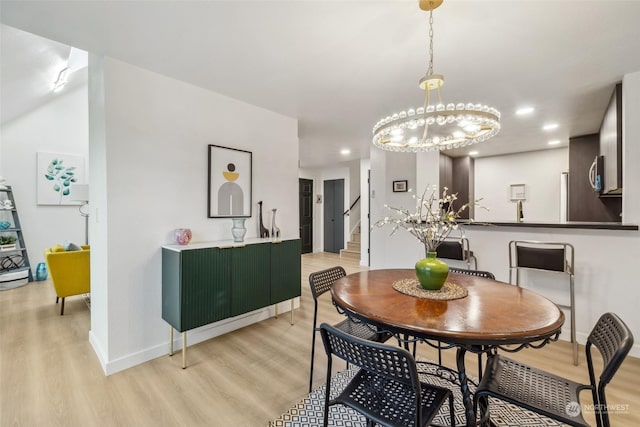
<point x="569" y="224"/>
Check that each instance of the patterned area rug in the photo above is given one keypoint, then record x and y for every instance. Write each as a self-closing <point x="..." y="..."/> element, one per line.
<point x="310" y="410"/>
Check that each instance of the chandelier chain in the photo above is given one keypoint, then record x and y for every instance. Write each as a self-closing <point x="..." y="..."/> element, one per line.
<point x="436" y="126"/>
<point x="430" y="69"/>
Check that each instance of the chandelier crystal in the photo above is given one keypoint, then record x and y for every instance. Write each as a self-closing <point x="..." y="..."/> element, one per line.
<point x="440" y="126"/>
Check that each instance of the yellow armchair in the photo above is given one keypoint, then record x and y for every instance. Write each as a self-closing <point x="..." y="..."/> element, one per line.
<point x="69" y="271"/>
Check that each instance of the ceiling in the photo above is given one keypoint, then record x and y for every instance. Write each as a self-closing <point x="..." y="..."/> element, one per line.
<point x="340" y="66"/>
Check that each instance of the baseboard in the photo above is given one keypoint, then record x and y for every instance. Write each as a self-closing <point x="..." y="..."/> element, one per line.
<point x="194" y="336"/>
<point x="97" y="348"/>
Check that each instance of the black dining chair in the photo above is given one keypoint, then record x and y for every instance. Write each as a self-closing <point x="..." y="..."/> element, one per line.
<point x="457" y="249"/>
<point x="387" y="389"/>
<point x="321" y="282"/>
<point x="475" y="273"/>
<point x="554" y="396"/>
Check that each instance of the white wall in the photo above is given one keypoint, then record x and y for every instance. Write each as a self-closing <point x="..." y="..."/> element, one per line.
<point x="538" y="170"/>
<point x="156" y="132"/>
<point x="365" y="166"/>
<point x="400" y="249"/>
<point x="60" y="126"/>
<point x="354" y="192"/>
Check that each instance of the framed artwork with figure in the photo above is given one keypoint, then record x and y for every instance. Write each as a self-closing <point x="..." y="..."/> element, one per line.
<point x="229" y="183"/>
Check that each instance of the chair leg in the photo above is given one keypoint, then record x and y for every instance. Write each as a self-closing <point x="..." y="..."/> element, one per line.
<point x="451" y="410"/>
<point x="439" y="353"/>
<point x="313" y="344"/>
<point x="313" y="348"/>
<point x="327" y="394"/>
<point x="57" y="299"/>
<point x="574" y="341"/>
<point x="62" y="307"/>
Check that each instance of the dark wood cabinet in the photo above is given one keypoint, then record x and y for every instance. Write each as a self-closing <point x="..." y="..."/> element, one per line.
<point x="611" y="144"/>
<point x="457" y="175"/>
<point x="585" y="204"/>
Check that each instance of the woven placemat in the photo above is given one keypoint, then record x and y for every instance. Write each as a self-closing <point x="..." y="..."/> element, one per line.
<point x="448" y="292"/>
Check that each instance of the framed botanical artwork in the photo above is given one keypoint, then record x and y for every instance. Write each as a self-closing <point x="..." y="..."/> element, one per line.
<point x="400" y="186"/>
<point x="56" y="176"/>
<point x="517" y="192"/>
<point x="229" y="183"/>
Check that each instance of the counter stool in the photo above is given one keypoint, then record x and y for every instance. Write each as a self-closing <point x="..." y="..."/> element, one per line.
<point x="457" y="249"/>
<point x="546" y="256"/>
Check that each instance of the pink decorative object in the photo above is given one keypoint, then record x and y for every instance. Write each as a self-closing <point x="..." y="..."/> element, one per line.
<point x="183" y="236"/>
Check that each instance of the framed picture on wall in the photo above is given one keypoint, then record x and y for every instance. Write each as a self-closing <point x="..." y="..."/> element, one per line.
<point x="400" y="186"/>
<point x="57" y="174"/>
<point x="517" y="192"/>
<point x="229" y="184"/>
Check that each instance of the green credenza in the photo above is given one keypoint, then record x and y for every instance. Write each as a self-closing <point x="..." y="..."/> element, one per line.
<point x="206" y="282"/>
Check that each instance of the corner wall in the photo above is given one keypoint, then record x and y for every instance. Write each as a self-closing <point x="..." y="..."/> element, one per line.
<point x="60" y="126"/>
<point x="155" y="141"/>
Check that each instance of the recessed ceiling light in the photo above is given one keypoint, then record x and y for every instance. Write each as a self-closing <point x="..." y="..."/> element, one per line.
<point x="345" y="151"/>
<point x="550" y="126"/>
<point x="554" y="142"/>
<point x="473" y="153"/>
<point x="524" y="111"/>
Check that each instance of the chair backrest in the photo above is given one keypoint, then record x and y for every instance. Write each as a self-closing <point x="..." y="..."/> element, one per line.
<point x="321" y="281"/>
<point x="613" y="339"/>
<point x="70" y="271"/>
<point x="550" y="256"/>
<point x="453" y="249"/>
<point x="476" y="273"/>
<point x="390" y="362"/>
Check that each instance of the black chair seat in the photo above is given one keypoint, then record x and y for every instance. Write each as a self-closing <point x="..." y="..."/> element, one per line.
<point x="387" y="389"/>
<point x="393" y="403"/>
<point x="531" y="388"/>
<point x="554" y="396"/>
<point x="362" y="330"/>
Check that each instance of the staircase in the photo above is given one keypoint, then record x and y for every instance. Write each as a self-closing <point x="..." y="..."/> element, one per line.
<point x="353" y="246"/>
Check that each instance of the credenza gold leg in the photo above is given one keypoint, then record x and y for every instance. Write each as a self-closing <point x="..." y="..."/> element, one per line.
<point x="291" y="312"/>
<point x="170" y="340"/>
<point x="276" y="310"/>
<point x="184" y="350"/>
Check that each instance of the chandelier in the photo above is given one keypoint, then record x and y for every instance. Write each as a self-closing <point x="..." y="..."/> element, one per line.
<point x="440" y="126"/>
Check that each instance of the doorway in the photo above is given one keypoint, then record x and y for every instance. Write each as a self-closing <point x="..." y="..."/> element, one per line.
<point x="333" y="215"/>
<point x="305" y="202"/>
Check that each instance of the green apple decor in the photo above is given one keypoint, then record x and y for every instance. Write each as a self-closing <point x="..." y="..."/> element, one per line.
<point x="431" y="223"/>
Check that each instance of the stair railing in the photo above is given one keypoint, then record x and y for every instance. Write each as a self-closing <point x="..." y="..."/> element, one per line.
<point x="348" y="211"/>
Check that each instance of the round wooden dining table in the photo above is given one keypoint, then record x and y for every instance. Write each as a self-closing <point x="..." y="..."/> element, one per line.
<point x="492" y="314"/>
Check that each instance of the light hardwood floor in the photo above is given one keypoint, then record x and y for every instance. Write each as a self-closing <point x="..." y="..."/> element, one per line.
<point x="50" y="376"/>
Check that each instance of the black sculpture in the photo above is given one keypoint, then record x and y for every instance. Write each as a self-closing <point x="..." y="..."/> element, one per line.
<point x="263" y="231"/>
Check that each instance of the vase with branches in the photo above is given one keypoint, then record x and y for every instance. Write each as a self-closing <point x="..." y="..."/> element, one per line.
<point x="433" y="220"/>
